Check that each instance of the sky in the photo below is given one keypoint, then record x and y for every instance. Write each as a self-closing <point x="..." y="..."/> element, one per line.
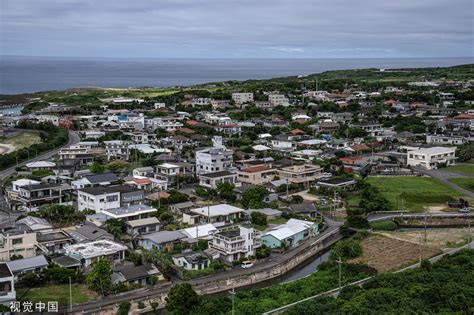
<point x="237" y="28"/>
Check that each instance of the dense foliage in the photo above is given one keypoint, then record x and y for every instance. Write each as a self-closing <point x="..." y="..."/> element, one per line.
<point x="442" y="288"/>
<point x="258" y="301"/>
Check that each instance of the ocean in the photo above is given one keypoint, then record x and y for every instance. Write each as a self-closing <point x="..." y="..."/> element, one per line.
<point x="35" y="74"/>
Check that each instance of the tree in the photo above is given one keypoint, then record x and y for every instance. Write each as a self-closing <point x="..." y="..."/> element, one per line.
<point x="181" y="299"/>
<point x="97" y="167"/>
<point x="465" y="152"/>
<point x="346" y="249"/>
<point x="259" y="218"/>
<point x="296" y="199"/>
<point x="124" y="308"/>
<point x="372" y="200"/>
<point x="226" y="191"/>
<point x="98" y="279"/>
<point x="253" y="197"/>
<point x="116" y="227"/>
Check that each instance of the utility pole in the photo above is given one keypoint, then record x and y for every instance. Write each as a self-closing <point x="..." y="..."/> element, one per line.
<point x="70" y="295"/>
<point x="339" y="262"/>
<point x="232" y="293"/>
<point x="420" y="247"/>
<point x="209" y="210"/>
<point x="426" y="236"/>
<point x="287" y="190"/>
<point x="469" y="231"/>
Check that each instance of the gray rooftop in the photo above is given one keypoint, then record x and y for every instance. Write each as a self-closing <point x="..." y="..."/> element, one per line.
<point x="27" y="263"/>
<point x="164" y="236"/>
<point x="102" y="178"/>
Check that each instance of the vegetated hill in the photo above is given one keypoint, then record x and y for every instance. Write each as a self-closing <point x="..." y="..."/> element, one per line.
<point x="444" y="287"/>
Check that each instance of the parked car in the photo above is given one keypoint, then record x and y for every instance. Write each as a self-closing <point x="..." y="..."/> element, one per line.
<point x="464" y="210"/>
<point x="247" y="264"/>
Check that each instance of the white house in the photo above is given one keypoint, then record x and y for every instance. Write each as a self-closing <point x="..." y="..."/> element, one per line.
<point x="87" y="253"/>
<point x="236" y="242"/>
<point x="241" y="98"/>
<point x="215" y="159"/>
<point x="7" y="286"/>
<point x="215" y="213"/>
<point x="431" y="158"/>
<point x="117" y="149"/>
<point x="278" y="99"/>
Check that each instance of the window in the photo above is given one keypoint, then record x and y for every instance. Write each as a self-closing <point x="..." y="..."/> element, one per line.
<point x="17" y="241"/>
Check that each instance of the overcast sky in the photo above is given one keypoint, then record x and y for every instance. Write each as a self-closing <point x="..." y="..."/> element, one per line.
<point x="237" y="28"/>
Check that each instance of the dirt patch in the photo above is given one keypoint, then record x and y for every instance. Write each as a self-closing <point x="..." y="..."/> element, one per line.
<point x="442" y="239"/>
<point x="6" y="148"/>
<point x="388" y="254"/>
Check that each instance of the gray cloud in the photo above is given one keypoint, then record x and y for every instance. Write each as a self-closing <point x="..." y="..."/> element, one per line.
<point x="237" y="28"/>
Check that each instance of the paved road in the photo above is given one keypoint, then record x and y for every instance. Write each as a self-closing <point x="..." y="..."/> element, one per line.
<point x="145" y="294"/>
<point x="443" y="178"/>
<point x="388" y="216"/>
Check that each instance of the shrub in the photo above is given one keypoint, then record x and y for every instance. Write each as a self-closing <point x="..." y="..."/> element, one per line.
<point x="346" y="249"/>
<point x="384" y="226"/>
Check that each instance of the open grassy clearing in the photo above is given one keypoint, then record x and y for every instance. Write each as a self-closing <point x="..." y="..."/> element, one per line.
<point x="60" y="293"/>
<point x="388" y="254"/>
<point x="466" y="183"/>
<point x="19" y="141"/>
<point x="417" y="193"/>
<point x="465" y="168"/>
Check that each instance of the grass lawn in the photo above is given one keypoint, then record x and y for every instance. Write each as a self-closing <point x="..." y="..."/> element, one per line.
<point x="466" y="169"/>
<point x="416" y="192"/>
<point x="60" y="293"/>
<point x="466" y="183"/>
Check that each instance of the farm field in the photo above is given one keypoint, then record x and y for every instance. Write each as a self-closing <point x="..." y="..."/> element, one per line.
<point x="388" y="254"/>
<point x="466" y="183"/>
<point x="442" y="239"/>
<point x="416" y="193"/>
<point x="19" y="141"/>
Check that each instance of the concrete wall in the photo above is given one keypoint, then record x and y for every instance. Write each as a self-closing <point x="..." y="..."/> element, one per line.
<point x="269" y="273"/>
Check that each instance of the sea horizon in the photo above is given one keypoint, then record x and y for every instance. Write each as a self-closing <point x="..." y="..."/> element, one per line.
<point x="27" y="74"/>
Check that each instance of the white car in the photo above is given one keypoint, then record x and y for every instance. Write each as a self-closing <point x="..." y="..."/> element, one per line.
<point x="247" y="264"/>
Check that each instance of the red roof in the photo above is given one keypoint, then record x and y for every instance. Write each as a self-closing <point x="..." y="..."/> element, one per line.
<point x="256" y="169"/>
<point x="464" y="116"/>
<point x="349" y="160"/>
<point x="141" y="181"/>
<point x="342" y="104"/>
<point x="296" y="131"/>
<point x="360" y="147"/>
<point x="179" y="137"/>
<point x="229" y="126"/>
<point x="191" y="122"/>
<point x="185" y="130"/>
<point x="389" y="102"/>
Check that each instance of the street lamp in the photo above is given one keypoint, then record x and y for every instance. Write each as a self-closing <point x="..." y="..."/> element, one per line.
<point x="339" y="262"/>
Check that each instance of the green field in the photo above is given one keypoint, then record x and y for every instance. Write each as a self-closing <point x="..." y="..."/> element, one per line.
<point x="466" y="183"/>
<point x="416" y="192"/>
<point x="466" y="169"/>
<point x="60" y="293"/>
<point x="19" y="141"/>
